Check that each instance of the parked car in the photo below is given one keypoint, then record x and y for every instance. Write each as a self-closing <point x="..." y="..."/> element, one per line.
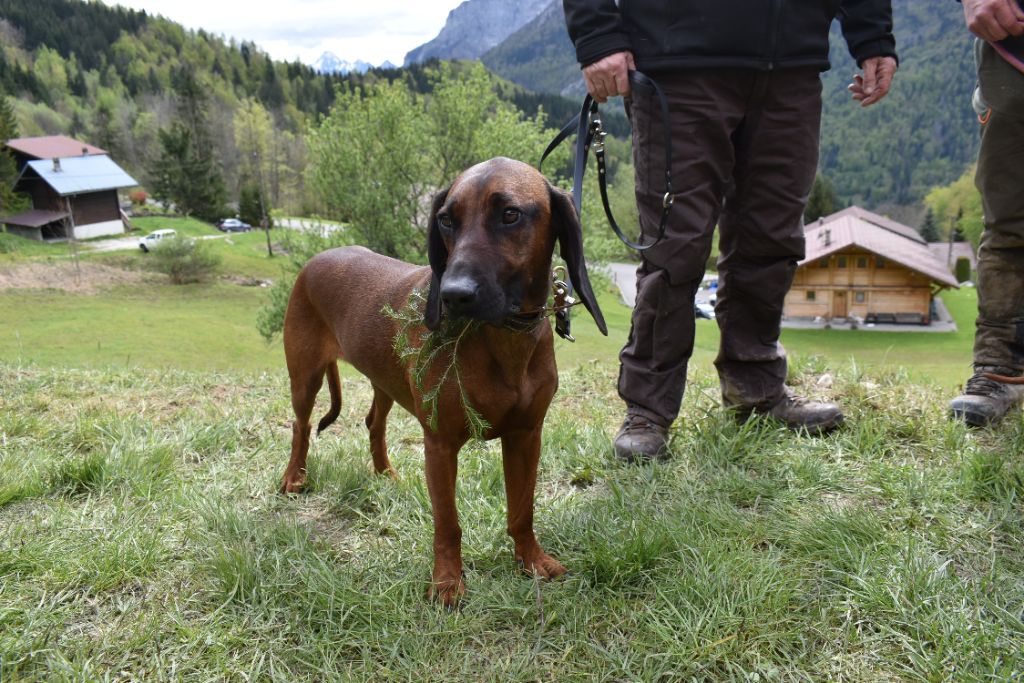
<point x="703" y="310"/>
<point x="153" y="239"/>
<point x="233" y="225"/>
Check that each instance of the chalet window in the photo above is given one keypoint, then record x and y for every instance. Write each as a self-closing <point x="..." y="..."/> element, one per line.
<point x="860" y="297"/>
<point x="811" y="295"/>
<point x="862" y="261"/>
<point x="823" y="263"/>
<point x="841" y="262"/>
<point x="879" y="262"/>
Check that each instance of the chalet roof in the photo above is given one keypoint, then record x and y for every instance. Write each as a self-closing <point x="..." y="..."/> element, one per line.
<point x="874" y="219"/>
<point x="51" y="146"/>
<point x="34" y="218"/>
<point x="77" y="175"/>
<point x="851" y="228"/>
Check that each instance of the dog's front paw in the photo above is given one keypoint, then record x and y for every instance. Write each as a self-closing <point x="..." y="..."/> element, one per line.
<point x="540" y="564"/>
<point x="293" y="482"/>
<point x="447" y="591"/>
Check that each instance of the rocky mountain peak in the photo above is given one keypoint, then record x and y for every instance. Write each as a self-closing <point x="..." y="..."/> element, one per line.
<point x="475" y="26"/>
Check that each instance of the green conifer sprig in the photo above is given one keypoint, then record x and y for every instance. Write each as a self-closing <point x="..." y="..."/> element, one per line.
<point x="430" y="347"/>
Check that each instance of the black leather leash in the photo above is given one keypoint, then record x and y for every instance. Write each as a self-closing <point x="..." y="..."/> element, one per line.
<point x="590" y="134"/>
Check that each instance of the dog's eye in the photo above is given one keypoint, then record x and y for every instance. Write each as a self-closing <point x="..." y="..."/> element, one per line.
<point x="510" y="216"/>
<point x="445" y="221"/>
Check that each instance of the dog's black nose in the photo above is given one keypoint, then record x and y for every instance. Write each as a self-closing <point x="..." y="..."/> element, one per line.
<point x="459" y="294"/>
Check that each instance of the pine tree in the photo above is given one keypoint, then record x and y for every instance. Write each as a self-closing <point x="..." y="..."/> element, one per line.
<point x="822" y="201"/>
<point x="10" y="202"/>
<point x="930" y="229"/>
<point x="187" y="172"/>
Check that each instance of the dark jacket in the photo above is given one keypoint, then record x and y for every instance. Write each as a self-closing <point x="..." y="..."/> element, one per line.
<point x="758" y="34"/>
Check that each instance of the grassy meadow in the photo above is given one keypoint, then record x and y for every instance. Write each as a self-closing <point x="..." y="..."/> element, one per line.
<point x="143" y="429"/>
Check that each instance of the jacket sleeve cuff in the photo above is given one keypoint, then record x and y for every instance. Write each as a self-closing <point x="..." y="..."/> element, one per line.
<point x="591" y="49"/>
<point x="883" y="47"/>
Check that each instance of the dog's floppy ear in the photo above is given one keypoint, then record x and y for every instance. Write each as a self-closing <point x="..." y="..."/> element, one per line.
<point x="437" y="256"/>
<point x="566" y="224"/>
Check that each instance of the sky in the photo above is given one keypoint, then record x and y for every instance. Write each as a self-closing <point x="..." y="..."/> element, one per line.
<point x="370" y="30"/>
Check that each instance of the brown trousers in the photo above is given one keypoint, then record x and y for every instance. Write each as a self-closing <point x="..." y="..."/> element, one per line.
<point x="744" y="157"/>
<point x="999" y="339"/>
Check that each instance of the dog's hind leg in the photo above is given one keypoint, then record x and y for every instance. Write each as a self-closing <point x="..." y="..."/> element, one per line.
<point x="306" y="380"/>
<point x="377" y="423"/>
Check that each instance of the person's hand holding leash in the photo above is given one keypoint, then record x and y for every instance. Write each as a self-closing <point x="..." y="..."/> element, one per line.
<point x="994" y="20"/>
<point x="873" y="84"/>
<point x="609" y="76"/>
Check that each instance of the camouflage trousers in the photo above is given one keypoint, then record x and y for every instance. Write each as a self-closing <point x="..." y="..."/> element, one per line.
<point x="999" y="339"/>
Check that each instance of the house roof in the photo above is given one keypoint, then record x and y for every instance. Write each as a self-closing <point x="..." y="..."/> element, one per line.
<point x="851" y="228"/>
<point x="874" y="219"/>
<point x="34" y="218"/>
<point x="52" y="146"/>
<point x="77" y="175"/>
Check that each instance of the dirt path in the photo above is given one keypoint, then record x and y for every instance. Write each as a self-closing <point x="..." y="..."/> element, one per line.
<point x="86" y="278"/>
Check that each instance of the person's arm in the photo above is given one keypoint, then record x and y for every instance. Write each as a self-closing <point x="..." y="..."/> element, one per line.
<point x="602" y="46"/>
<point x="867" y="27"/>
<point x="994" y="20"/>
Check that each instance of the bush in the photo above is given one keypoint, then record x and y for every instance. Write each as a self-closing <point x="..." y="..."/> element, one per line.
<point x="138" y="197"/>
<point x="962" y="269"/>
<point x="185" y="260"/>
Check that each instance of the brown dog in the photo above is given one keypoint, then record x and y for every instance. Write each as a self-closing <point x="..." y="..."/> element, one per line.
<point x="490" y="244"/>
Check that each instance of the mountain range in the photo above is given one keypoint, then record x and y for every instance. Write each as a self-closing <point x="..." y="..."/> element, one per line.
<point x="330" y="63"/>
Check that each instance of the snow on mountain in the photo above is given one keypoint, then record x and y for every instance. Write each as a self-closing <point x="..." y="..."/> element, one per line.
<point x="330" y="63"/>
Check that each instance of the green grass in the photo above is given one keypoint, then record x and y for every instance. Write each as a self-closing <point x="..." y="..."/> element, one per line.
<point x="143" y="429"/>
<point x="187" y="227"/>
<point x="14" y="248"/>
<point x="150" y="325"/>
<point x="142" y="539"/>
<point x="212" y="325"/>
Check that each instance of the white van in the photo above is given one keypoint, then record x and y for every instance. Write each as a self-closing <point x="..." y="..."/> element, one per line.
<point x="153" y="239"/>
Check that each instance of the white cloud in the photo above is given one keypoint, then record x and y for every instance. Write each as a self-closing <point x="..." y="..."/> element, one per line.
<point x="373" y="30"/>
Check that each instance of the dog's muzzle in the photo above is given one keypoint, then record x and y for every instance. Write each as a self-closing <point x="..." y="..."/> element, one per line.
<point x="465" y="296"/>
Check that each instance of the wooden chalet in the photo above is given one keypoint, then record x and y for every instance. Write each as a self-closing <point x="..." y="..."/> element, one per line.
<point x="865" y="265"/>
<point x="73" y="187"/>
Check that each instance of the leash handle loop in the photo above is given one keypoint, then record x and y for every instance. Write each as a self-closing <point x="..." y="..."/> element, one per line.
<point x="590" y="133"/>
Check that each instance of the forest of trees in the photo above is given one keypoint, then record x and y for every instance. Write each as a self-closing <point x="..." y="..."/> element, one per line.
<point x="109" y="75"/>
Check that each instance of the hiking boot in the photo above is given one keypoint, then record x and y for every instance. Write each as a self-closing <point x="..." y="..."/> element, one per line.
<point x="639" y="439"/>
<point x="986" y="401"/>
<point x="799" y="413"/>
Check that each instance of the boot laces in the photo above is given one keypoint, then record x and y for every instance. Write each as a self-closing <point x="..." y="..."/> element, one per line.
<point x="638" y="423"/>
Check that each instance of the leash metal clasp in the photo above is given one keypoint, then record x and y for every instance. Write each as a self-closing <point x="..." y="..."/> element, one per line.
<point x="562" y="302"/>
<point x="598" y="133"/>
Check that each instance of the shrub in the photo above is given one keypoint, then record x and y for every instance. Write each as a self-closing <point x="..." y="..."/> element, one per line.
<point x="138" y="197"/>
<point x="185" y="260"/>
<point x="962" y="269"/>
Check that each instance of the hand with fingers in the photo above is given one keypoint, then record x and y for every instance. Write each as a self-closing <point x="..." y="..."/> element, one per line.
<point x="874" y="83"/>
<point x="609" y="76"/>
<point x="994" y="20"/>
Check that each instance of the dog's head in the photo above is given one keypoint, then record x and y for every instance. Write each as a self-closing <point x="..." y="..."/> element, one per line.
<point x="490" y="241"/>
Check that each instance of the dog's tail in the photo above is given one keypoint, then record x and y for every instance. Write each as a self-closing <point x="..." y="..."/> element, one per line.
<point x="334" y="384"/>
